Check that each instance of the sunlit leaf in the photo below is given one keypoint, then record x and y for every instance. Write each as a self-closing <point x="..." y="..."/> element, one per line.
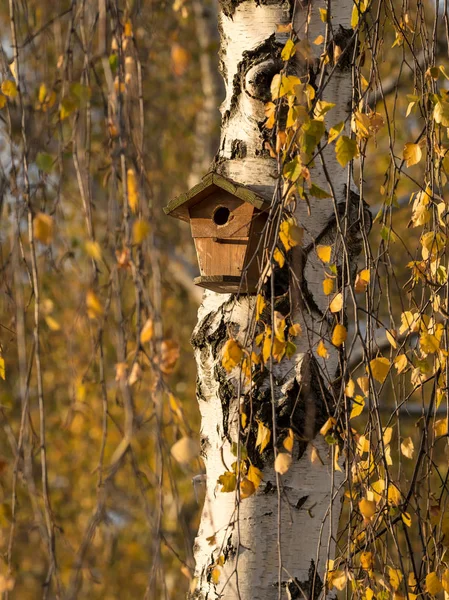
<point x="380" y="368"/>
<point x="346" y="150"/>
<point x="232" y="354"/>
<point x="263" y="436"/>
<point x="339" y="335"/>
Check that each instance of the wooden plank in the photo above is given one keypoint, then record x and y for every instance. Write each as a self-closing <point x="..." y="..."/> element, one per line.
<point x="239" y="220"/>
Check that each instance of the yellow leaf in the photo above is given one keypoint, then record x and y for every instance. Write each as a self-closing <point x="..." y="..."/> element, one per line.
<point x="128" y="29"/>
<point x="282" y="463"/>
<point x="322" y="350"/>
<point x="94" y="307"/>
<point x="433" y="584"/>
<point x="339" y="580"/>
<point x="323" y="14"/>
<point x="147" y="332"/>
<point x="318" y="40"/>
<point x="279" y="257"/>
<point x="260" y="305"/>
<point x="367" y="508"/>
<point x="2" y="368"/>
<point x="345" y="150"/>
<point x="363" y="383"/>
<point x="409" y="320"/>
<point x="52" y="323"/>
<point x="247" y="488"/>
<point x="380" y="368"/>
<point x="255" y="475"/>
<point x="43" y="228"/>
<point x="412" y="154"/>
<point x="387" y="434"/>
<point x="357" y="407"/>
<point x="133" y="192"/>
<point x="337" y="303"/>
<point x="328" y="286"/>
<point x="440" y="427"/>
<point x="366" y="560"/>
<point x="315" y="457"/>
<point x="406" y="518"/>
<point x="335" y="131"/>
<point x="395" y="576"/>
<point x="328" y="426"/>
<point x="420" y="210"/>
<point x="350" y="389"/>
<point x="295" y="329"/>
<point x="141" y="229"/>
<point x="231" y="355"/>
<point x="289" y="441"/>
<point x="185" y="450"/>
<point x="429" y="343"/>
<point x="93" y="249"/>
<point x="400" y="362"/>
<point x="263" y="436"/>
<point x="391" y="338"/>
<point x="228" y="482"/>
<point x="288" y="50"/>
<point x="394" y="495"/>
<point x="407" y="447"/>
<point x="2" y="100"/>
<point x="290" y="234"/>
<point x="362" y="281"/>
<point x="324" y="253"/>
<point x="445" y="581"/>
<point x="9" y="88"/>
<point x="215" y="575"/>
<point x="339" y="335"/>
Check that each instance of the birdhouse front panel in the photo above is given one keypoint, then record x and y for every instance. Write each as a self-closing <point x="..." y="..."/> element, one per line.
<point x="227" y="221"/>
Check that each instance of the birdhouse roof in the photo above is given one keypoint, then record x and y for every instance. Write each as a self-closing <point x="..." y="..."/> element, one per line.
<point x="179" y="207"/>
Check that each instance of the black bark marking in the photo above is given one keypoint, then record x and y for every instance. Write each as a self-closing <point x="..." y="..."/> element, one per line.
<point x="238" y="149"/>
<point x="345" y="39"/>
<point x="310" y="588"/>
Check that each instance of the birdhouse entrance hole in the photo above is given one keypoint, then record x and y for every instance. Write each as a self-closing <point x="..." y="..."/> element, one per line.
<point x="221" y="215"/>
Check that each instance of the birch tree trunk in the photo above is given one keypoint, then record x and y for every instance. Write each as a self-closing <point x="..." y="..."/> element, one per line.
<point x="275" y="543"/>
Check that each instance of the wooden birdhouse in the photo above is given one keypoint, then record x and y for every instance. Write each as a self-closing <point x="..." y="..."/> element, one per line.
<point x="227" y="221"/>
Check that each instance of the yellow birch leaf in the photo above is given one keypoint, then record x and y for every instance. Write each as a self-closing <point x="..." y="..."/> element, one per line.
<point x="440" y="427"/>
<point x="433" y="584"/>
<point x="2" y="368"/>
<point x="295" y="329"/>
<point x="141" y="228"/>
<point x="391" y="338"/>
<point x="350" y="389"/>
<point x="366" y="560"/>
<point x="94" y="307"/>
<point x="337" y="303"/>
<point x="260" y="305"/>
<point x="290" y="234"/>
<point x="412" y="154"/>
<point x="52" y="323"/>
<point x="400" y="362"/>
<point x="128" y="29"/>
<point x="228" y="482"/>
<point x="362" y="281"/>
<point x="9" y="88"/>
<point x="345" y="150"/>
<point x="255" y="475"/>
<point x="147" y="331"/>
<point x="394" y="495"/>
<point x="367" y="508"/>
<point x="363" y="383"/>
<point x="339" y="580"/>
<point x="335" y="131"/>
<point x="445" y="581"/>
<point x="289" y="441"/>
<point x="288" y="50"/>
<point x="43" y="228"/>
<point x="232" y="355"/>
<point x="328" y="425"/>
<point x="133" y="192"/>
<point x="407" y="520"/>
<point x="93" y="249"/>
<point x="279" y="257"/>
<point x="395" y="576"/>
<point x="336" y="457"/>
<point x="407" y="447"/>
<point x="282" y="463"/>
<point x="215" y="575"/>
<point x="322" y="350"/>
<point x="315" y="457"/>
<point x="328" y="286"/>
<point x="263" y="436"/>
<point x="185" y="450"/>
<point x="323" y="14"/>
<point x="357" y="407"/>
<point x="339" y="335"/>
<point x="429" y="343"/>
<point x="380" y="368"/>
<point x="247" y="488"/>
<point x="324" y="253"/>
<point x="2" y="101"/>
<point x="318" y="40"/>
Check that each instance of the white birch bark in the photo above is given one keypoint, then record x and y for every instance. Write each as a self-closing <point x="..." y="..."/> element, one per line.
<point x="276" y="542"/>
